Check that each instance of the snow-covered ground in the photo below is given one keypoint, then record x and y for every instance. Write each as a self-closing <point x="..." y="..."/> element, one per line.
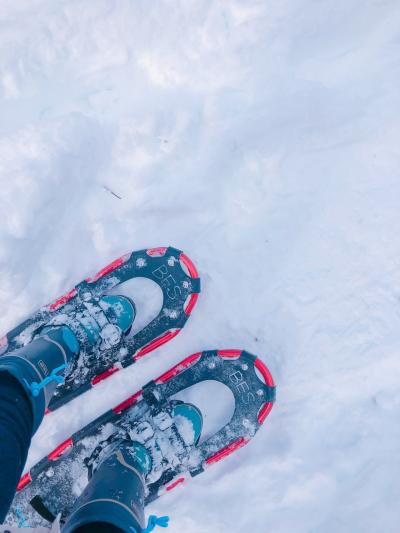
<point x="262" y="138"/>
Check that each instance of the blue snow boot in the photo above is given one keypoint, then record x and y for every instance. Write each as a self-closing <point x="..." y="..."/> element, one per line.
<point x="114" y="498"/>
<point x="41" y="365"/>
<point x="121" y="466"/>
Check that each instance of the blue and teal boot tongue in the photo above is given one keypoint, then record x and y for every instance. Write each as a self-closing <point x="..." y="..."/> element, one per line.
<point x="189" y="421"/>
<point x="120" y="310"/>
<point x="108" y="320"/>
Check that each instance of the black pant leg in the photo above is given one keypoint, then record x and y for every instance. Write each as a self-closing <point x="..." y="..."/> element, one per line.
<point x="16" y="423"/>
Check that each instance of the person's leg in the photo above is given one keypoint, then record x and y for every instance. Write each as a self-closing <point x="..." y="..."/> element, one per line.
<point x="23" y="400"/>
<point x="28" y="379"/>
<point x="16" y="423"/>
<point x="114" y="497"/>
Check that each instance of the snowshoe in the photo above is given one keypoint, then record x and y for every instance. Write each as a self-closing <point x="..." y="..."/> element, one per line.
<point x="167" y="428"/>
<point x="102" y="321"/>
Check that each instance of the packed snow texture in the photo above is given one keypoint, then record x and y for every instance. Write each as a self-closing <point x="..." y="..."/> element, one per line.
<point x="262" y="138"/>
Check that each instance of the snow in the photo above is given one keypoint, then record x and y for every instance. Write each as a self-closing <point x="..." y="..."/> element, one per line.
<point x="263" y="139"/>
